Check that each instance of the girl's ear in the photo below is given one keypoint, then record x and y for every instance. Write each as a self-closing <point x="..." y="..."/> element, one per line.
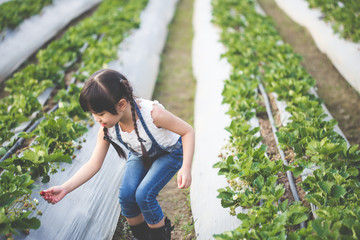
<point x="122" y="104"/>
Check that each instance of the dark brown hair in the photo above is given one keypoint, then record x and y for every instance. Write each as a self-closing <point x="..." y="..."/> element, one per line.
<point x="102" y="92"/>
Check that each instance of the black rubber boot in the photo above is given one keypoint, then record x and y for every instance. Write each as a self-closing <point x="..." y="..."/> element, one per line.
<point x="162" y="233"/>
<point x="141" y="231"/>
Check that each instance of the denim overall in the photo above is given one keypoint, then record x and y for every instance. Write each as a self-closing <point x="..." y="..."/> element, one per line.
<point x="140" y="186"/>
<point x="156" y="149"/>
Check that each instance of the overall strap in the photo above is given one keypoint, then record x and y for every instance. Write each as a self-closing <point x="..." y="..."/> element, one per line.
<point x="144" y="124"/>
<point x="119" y="136"/>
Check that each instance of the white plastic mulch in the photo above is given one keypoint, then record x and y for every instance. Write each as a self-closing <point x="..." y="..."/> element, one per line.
<point x="210" y="121"/>
<point x="35" y="31"/>
<point x="139" y="54"/>
<point x="344" y="54"/>
<point x="92" y="210"/>
<point x="4" y="1"/>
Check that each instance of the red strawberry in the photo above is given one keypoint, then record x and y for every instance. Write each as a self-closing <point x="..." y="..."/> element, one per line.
<point x="42" y="193"/>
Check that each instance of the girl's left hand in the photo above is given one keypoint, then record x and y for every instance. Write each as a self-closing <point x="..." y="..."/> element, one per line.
<point x="184" y="178"/>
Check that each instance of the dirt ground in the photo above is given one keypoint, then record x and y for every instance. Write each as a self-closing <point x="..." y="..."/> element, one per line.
<point x="175" y="89"/>
<point x="339" y="97"/>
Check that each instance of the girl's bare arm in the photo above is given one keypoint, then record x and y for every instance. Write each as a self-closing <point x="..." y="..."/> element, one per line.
<point x="164" y="119"/>
<point x="87" y="171"/>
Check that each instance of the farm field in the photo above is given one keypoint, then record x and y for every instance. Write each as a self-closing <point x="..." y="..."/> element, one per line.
<point x="277" y="121"/>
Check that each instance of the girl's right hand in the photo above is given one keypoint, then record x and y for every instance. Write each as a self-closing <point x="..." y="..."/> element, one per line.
<point x="54" y="194"/>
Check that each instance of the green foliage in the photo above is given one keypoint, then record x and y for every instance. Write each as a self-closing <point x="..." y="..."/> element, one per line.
<point x="13" y="12"/>
<point x="55" y="144"/>
<point x="257" y="53"/>
<point x="343" y="16"/>
<point x="88" y="46"/>
<point x="13" y="188"/>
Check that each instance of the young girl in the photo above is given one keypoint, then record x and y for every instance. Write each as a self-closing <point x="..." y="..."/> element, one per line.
<point x="159" y="143"/>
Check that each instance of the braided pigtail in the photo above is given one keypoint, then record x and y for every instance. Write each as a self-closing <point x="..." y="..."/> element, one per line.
<point x="118" y="149"/>
<point x="145" y="156"/>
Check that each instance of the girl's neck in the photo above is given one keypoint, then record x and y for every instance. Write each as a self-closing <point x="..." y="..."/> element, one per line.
<point x="126" y="121"/>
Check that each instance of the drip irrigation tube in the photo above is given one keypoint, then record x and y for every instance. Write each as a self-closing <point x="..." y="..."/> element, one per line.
<point x="282" y="154"/>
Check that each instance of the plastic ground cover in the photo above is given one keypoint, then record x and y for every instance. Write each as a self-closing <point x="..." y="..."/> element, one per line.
<point x="345" y="55"/>
<point x="205" y="212"/>
<point x="210" y="121"/>
<point x="4" y="1"/>
<point x="20" y="44"/>
<point x="92" y="210"/>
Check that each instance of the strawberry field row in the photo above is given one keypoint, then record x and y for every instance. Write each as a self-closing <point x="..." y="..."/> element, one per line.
<point x="257" y="54"/>
<point x="14" y="12"/>
<point x="82" y="50"/>
<point x="344" y="16"/>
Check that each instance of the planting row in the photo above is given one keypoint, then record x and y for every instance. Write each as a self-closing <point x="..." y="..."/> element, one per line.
<point x="83" y="49"/>
<point x="343" y="54"/>
<point x="14" y="12"/>
<point x="258" y="55"/>
<point x="344" y="16"/>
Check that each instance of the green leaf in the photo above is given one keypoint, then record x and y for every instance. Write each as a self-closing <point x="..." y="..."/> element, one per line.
<point x="321" y="227"/>
<point x="352" y="171"/>
<point x="45" y="179"/>
<point x="23" y="222"/>
<point x="32" y="223"/>
<point x="283" y="205"/>
<point x="297" y="171"/>
<point x="353" y="148"/>
<point x="6" y="200"/>
<point x="3" y="218"/>
<point x="30" y="155"/>
<point x="59" y="157"/>
<point x="338" y="191"/>
<point x="225" y="193"/>
<point x="279" y="191"/>
<point x="242" y="216"/>
<point x="326" y="186"/>
<point x="259" y="182"/>
<point x="26" y="135"/>
<point x="4" y="228"/>
<point x="219" y="164"/>
<point x="297" y="218"/>
<point x="315" y="198"/>
<point x="2" y="151"/>
<point x="293" y="236"/>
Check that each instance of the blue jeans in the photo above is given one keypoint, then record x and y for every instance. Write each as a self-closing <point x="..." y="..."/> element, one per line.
<point x="140" y="186"/>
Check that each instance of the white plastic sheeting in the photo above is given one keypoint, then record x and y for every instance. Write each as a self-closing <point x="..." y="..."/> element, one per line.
<point x="89" y="212"/>
<point x="34" y="32"/>
<point x="92" y="210"/>
<point x="210" y="120"/>
<point x="3" y="1"/>
<point x="345" y="55"/>
<point x="139" y="55"/>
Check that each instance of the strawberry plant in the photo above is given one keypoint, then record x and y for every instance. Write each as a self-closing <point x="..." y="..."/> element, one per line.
<point x="87" y="46"/>
<point x="93" y="42"/>
<point x="343" y="15"/>
<point x="13" y="12"/>
<point x="15" y="189"/>
<point x="257" y="53"/>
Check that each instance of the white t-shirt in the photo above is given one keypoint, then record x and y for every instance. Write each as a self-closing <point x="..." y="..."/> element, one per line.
<point x="163" y="136"/>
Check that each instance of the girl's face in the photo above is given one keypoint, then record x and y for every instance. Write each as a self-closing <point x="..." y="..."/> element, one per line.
<point x="107" y="119"/>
